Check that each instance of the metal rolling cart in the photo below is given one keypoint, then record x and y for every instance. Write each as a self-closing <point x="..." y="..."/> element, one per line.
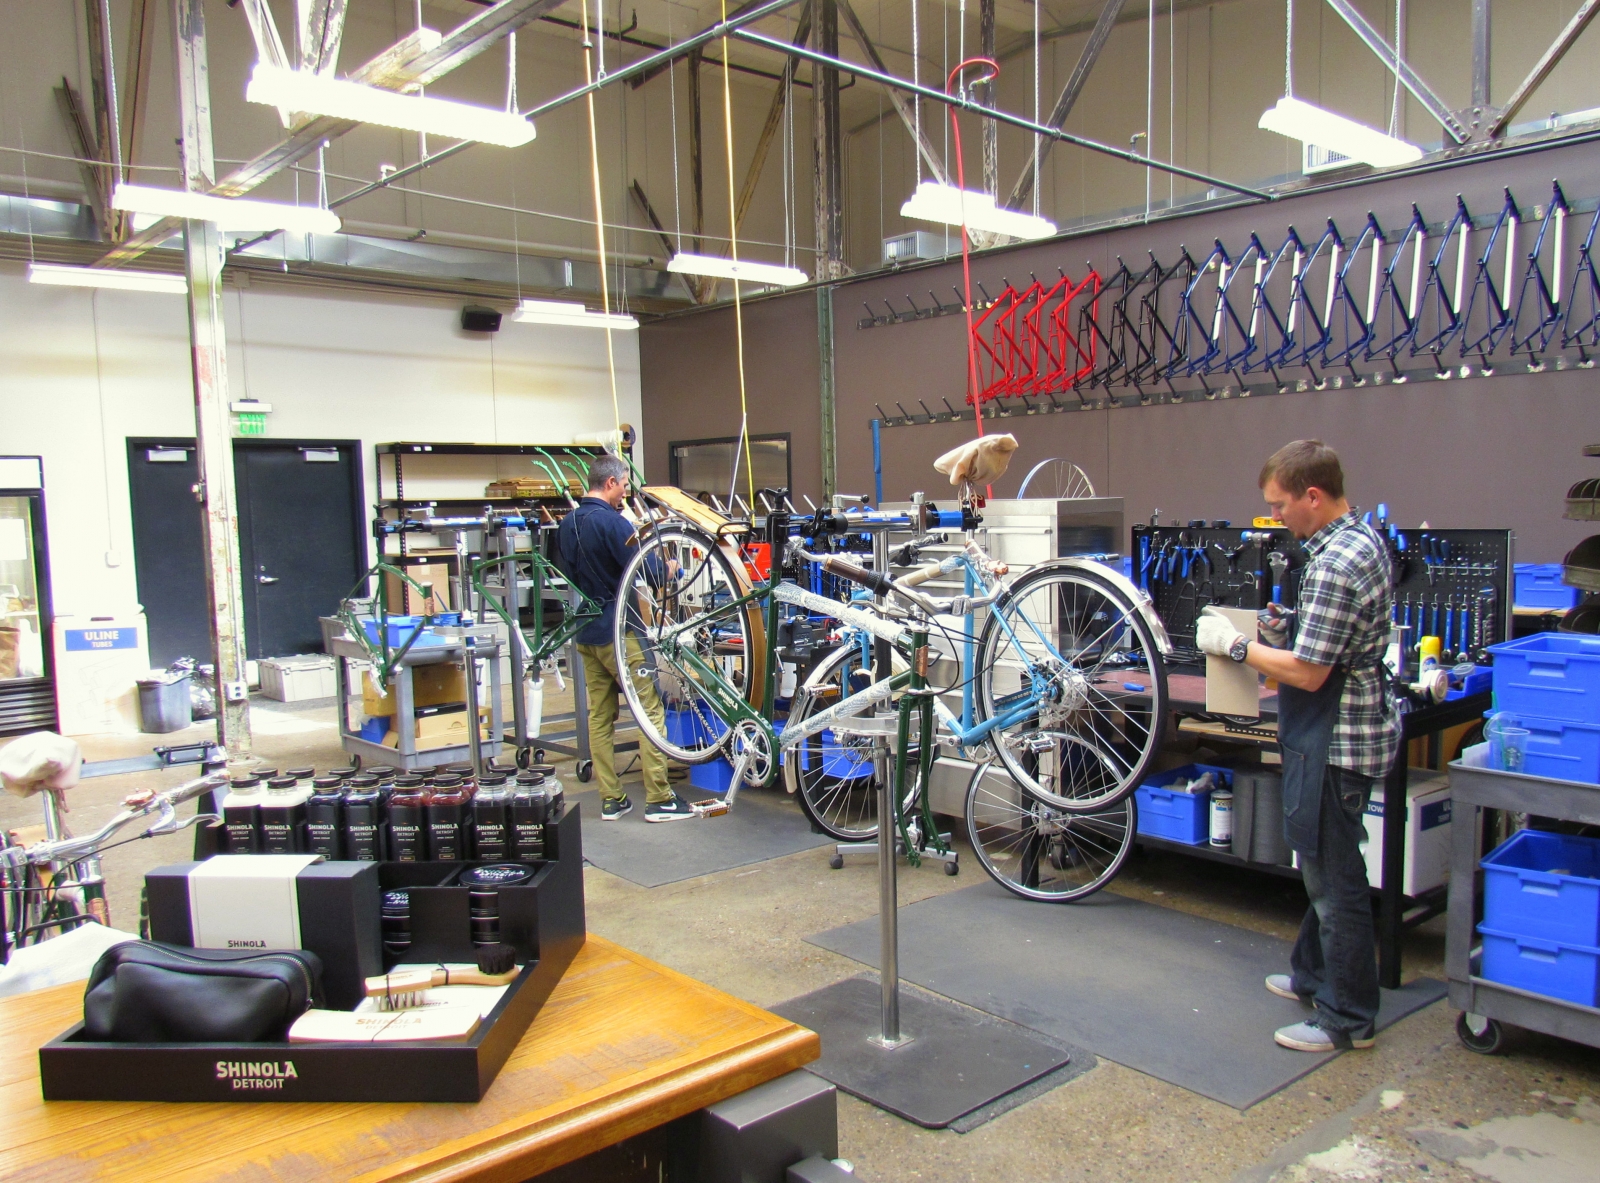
<point x="1486" y="1006"/>
<point x="461" y="646"/>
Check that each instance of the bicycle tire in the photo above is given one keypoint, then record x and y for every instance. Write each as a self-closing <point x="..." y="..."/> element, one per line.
<point x="1091" y="625"/>
<point x="832" y="779"/>
<point x="645" y="604"/>
<point x="1041" y="853"/>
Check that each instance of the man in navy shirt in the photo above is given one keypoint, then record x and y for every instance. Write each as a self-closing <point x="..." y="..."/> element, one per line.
<point x="596" y="543"/>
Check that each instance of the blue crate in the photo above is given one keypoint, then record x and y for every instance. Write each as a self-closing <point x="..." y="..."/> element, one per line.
<point x="1552" y="968"/>
<point x="714" y="775"/>
<point x="1549" y="676"/>
<point x="375" y="728"/>
<point x="1178" y="817"/>
<point x="839" y="762"/>
<point x="1562" y="751"/>
<point x="688" y="730"/>
<point x="1538" y="884"/>
<point x="1538" y="585"/>
<point x="1480" y="679"/>
<point x="401" y="628"/>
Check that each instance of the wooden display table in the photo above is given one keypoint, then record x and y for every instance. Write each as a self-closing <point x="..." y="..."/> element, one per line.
<point x="622" y="1046"/>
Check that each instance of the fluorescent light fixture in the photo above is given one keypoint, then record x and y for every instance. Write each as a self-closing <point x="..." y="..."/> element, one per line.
<point x="229" y="213"/>
<point x="1310" y="124"/>
<point x="316" y="94"/>
<point x="107" y="277"/>
<point x="745" y="269"/>
<point x="562" y="312"/>
<point x="933" y="202"/>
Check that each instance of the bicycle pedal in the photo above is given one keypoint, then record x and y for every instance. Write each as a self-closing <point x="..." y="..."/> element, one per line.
<point x="1040" y="743"/>
<point x="712" y="808"/>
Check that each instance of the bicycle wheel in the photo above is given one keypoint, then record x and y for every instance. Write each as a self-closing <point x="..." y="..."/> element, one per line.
<point x="833" y="774"/>
<point x="1040" y="853"/>
<point x="1055" y="662"/>
<point x="650" y="610"/>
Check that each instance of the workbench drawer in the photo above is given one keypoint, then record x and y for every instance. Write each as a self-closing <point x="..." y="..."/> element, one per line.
<point x="1550" y="676"/>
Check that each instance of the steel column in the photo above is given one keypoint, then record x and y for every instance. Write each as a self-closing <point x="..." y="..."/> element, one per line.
<point x="202" y="252"/>
<point x="826" y="141"/>
<point x="1480" y="55"/>
<point x="1552" y="57"/>
<point x="830" y="438"/>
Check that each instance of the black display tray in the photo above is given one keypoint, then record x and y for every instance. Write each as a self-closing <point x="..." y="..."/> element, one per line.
<point x="74" y="1069"/>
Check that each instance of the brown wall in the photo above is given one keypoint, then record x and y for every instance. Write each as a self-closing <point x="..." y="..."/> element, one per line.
<point x="1484" y="452"/>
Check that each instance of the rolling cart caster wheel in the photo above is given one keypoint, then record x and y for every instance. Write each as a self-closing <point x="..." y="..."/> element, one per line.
<point x="1479" y="1034"/>
<point x="538" y="756"/>
<point x="355" y="763"/>
<point x="952" y="868"/>
<point x="585" y="771"/>
<point x="836" y="861"/>
<point x="524" y="757"/>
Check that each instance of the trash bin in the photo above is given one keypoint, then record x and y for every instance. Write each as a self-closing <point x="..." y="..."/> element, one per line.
<point x="164" y="705"/>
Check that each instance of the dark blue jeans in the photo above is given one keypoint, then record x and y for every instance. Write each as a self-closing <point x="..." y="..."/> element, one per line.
<point x="1335" y="962"/>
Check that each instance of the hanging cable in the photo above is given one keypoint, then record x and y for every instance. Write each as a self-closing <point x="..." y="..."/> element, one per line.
<point x="672" y="93"/>
<point x="788" y="166"/>
<point x="511" y="71"/>
<point x="916" y="77"/>
<point x="966" y="251"/>
<point x="733" y="253"/>
<point x="1399" y="61"/>
<point x="1036" y="6"/>
<point x="1288" y="49"/>
<point x="599" y="216"/>
<point x="1149" y="101"/>
<point x="111" y="93"/>
<point x="1172" y="100"/>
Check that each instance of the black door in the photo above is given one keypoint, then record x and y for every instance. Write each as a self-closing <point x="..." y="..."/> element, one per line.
<point x="298" y="544"/>
<point x="298" y="541"/>
<point x="168" y="553"/>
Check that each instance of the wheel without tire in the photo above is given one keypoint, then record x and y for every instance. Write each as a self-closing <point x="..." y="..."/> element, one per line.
<point x="585" y="771"/>
<point x="1039" y="852"/>
<point x="1480" y="1034"/>
<point x="1066" y="641"/>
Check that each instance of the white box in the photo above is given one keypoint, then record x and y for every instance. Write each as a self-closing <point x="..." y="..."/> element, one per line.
<point x="98" y="660"/>
<point x="296" y="679"/>
<point x="1427" y="833"/>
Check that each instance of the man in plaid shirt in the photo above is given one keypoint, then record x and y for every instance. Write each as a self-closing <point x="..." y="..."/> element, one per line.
<point x="1338" y="733"/>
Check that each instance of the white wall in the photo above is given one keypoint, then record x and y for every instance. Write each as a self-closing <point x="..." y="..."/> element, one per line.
<point x="82" y="371"/>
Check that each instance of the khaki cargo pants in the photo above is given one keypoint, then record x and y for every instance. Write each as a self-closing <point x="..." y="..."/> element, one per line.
<point x="604" y="684"/>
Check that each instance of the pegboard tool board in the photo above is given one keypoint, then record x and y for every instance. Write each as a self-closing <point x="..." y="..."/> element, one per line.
<point x="1455" y="585"/>
<point x="1187" y="568"/>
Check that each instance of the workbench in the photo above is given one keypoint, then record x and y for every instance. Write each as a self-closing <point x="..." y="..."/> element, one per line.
<point x="1397" y="911"/>
<point x="621" y="1047"/>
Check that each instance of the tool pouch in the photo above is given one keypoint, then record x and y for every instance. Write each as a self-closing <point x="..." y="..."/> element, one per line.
<point x="144" y="992"/>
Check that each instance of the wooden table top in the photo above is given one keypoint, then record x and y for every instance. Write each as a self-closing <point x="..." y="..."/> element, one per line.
<point x="622" y="1045"/>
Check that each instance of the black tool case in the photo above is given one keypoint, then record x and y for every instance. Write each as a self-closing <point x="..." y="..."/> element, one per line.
<point x="549" y="927"/>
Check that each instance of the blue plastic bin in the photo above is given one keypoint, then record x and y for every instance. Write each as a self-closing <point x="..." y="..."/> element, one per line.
<point x="1164" y="812"/>
<point x="401" y="628"/>
<point x="1562" y="751"/>
<point x="1480" y="679"/>
<point x="1538" y="585"/>
<point x="1552" y="968"/>
<point x="374" y="729"/>
<point x="714" y="775"/>
<point x="1549" y="676"/>
<point x="1544" y="885"/>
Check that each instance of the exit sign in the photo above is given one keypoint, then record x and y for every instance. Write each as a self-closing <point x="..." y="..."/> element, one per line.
<point x="251" y="423"/>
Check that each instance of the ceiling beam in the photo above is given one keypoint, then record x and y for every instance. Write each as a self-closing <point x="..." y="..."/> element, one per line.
<point x="414" y="60"/>
<point x="1098" y="36"/>
<point x="319" y="32"/>
<point x="902" y="105"/>
<point x="1551" y="59"/>
<point x="1409" y="78"/>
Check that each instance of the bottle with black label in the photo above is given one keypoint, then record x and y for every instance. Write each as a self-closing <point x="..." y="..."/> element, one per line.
<point x="325" y="818"/>
<point x="407" y="812"/>
<point x="447" y="816"/>
<point x="241" y="815"/>
<point x="363" y="822"/>
<point x="491" y="819"/>
<point x="530" y="808"/>
<point x="283" y="816"/>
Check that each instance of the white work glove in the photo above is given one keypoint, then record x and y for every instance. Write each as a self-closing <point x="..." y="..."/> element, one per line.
<point x="1213" y="633"/>
<point x="1272" y="623"/>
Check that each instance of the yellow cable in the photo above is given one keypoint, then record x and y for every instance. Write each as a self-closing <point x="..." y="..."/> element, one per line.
<point x="600" y="221"/>
<point x="733" y="246"/>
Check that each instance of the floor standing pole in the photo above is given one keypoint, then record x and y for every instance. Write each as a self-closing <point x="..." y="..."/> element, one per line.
<point x="888" y="901"/>
<point x="202" y="253"/>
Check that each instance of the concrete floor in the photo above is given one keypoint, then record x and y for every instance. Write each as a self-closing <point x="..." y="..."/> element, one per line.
<point x="1418" y="1106"/>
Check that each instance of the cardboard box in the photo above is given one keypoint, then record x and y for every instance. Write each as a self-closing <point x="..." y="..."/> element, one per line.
<point x="98" y="662"/>
<point x="1427" y="833"/>
<point x="433" y="575"/>
<point x="442" y="731"/>
<point x="298" y="679"/>
<point x="430" y="685"/>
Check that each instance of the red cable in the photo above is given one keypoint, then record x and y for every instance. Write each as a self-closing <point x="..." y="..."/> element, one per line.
<point x="966" y="254"/>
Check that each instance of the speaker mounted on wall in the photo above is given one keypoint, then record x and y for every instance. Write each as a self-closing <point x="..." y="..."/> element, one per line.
<point x="475" y="318"/>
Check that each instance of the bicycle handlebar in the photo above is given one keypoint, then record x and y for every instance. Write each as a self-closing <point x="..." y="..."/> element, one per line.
<point x="134" y="806"/>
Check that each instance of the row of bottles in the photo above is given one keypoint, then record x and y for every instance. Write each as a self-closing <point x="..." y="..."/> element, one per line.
<point x="445" y="815"/>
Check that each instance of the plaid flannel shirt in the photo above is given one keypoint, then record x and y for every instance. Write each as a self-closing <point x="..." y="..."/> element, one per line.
<point x="1344" y="612"/>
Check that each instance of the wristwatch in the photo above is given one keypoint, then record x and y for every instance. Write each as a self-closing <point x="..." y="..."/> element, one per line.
<point x="1239" y="648"/>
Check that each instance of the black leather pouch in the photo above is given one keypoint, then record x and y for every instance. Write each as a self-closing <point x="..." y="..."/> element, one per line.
<point x="144" y="992"/>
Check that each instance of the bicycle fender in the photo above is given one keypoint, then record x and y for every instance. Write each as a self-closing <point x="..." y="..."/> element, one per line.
<point x="1139" y="598"/>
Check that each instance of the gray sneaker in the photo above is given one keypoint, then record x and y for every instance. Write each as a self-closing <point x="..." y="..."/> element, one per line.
<point x="1309" y="1037"/>
<point x="1282" y="986"/>
<point x="676" y="809"/>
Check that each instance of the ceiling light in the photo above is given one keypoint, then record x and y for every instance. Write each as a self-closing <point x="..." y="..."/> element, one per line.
<point x="1310" y="124"/>
<point x="316" y="94"/>
<point x="743" y="269"/>
<point x="562" y="312"/>
<point x="106" y="277"/>
<point x="933" y="202"/>
<point x="229" y="213"/>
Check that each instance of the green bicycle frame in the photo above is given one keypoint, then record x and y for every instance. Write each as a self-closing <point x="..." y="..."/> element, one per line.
<point x="542" y="644"/>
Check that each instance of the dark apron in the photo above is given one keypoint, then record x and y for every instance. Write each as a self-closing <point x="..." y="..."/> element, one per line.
<point x="1306" y="720"/>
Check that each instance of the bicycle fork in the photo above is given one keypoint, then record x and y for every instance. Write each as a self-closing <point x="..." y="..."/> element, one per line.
<point x="918" y="700"/>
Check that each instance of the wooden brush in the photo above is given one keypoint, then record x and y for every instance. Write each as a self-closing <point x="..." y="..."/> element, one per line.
<point x="403" y="988"/>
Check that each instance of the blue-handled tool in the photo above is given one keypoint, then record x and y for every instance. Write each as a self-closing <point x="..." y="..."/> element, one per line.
<point x="1449" y="624"/>
<point x="1464" y="650"/>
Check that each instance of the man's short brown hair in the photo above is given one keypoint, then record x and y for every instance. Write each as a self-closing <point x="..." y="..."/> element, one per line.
<point x="1302" y="465"/>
